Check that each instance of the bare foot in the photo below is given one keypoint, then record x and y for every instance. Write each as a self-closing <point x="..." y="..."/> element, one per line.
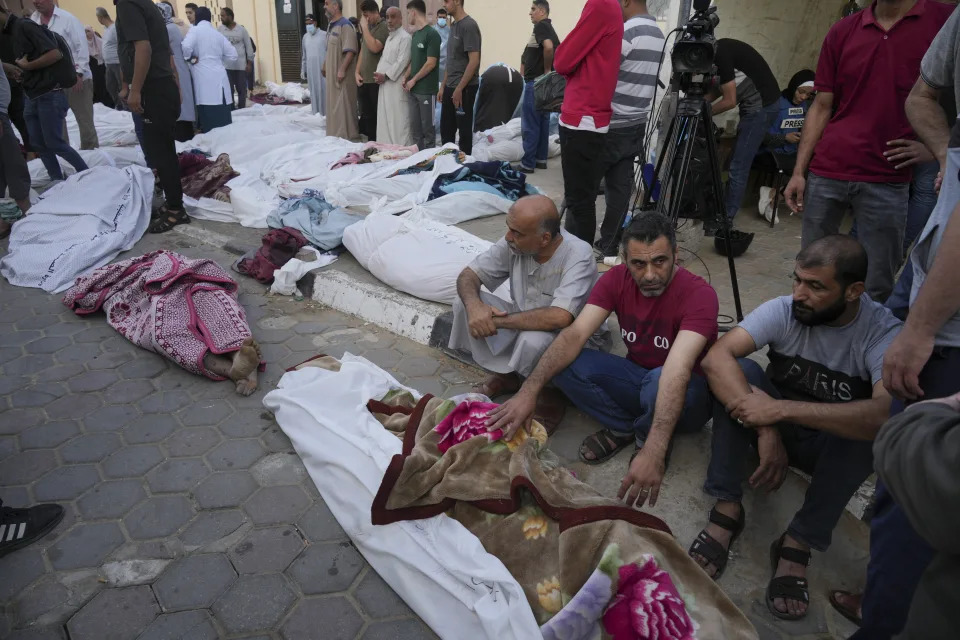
<point x="246" y="360"/>
<point x="248" y="385"/>
<point x="220" y="365"/>
<point x="718" y="533"/>
<point x="787" y="568"/>
<point x="498" y="384"/>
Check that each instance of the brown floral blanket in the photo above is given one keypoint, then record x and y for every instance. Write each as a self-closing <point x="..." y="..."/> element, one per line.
<point x="590" y="566"/>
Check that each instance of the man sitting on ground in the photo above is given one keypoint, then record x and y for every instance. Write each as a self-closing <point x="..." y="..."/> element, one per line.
<point x="818" y="407"/>
<point x="551" y="274"/>
<point x="668" y="318"/>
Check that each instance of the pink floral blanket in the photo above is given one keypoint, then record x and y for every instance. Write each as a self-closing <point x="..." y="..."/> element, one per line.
<point x="179" y="307"/>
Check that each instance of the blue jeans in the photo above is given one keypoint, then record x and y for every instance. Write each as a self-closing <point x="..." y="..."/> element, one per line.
<point x="45" y="115"/>
<point x="749" y="139"/>
<point x="898" y="555"/>
<point x="838" y="466"/>
<point x="622" y="395"/>
<point x="536" y="131"/>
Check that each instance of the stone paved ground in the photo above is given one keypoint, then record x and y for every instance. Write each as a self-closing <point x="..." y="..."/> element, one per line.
<point x="190" y="516"/>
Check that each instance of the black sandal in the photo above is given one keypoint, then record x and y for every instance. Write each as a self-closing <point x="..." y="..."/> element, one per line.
<point x="167" y="219"/>
<point x="709" y="548"/>
<point x="787" y="587"/>
<point x="604" y="449"/>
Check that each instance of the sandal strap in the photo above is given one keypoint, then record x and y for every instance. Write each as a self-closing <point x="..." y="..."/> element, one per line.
<point x="794" y="555"/>
<point x="707" y="547"/>
<point x="789" y="588"/>
<point x="603" y="443"/>
<point x="726" y="522"/>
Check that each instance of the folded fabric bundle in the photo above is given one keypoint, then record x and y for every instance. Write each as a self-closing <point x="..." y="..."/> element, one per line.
<point x="207" y="178"/>
<point x="428" y="164"/>
<point x="376" y="152"/>
<point x="279" y="247"/>
<point x="320" y="222"/>
<point x="489" y="177"/>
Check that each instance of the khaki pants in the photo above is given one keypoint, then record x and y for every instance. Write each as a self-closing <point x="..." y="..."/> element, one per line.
<point x="81" y="103"/>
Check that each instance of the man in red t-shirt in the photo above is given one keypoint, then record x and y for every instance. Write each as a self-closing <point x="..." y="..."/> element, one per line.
<point x="668" y="320"/>
<point x="858" y="127"/>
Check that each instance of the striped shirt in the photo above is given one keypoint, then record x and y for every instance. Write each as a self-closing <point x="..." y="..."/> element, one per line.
<point x="639" y="61"/>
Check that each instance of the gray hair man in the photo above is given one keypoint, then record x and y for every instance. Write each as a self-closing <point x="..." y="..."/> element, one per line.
<point x="551" y="274"/>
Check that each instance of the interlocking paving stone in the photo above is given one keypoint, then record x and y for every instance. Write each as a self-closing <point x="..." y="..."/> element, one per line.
<point x="79" y="353"/>
<point x="18" y="420"/>
<point x="254" y="603"/>
<point x="206" y="413"/>
<point x="91" y="447"/>
<point x="326" y="568"/>
<point x="8" y="446"/>
<point x="279" y="469"/>
<point x="183" y="625"/>
<point x="415" y="367"/>
<point x="35" y="396"/>
<point x="19" y="338"/>
<point x="48" y="345"/>
<point x="336" y="616"/>
<point x="245" y="424"/>
<point x="27" y="466"/>
<point x="194" y="582"/>
<point x="409" y="629"/>
<point x="110" y="418"/>
<point x="194" y="441"/>
<point x="92" y="381"/>
<point x="38" y="600"/>
<point x="178" y="474"/>
<point x="145" y="367"/>
<point x="274" y="439"/>
<point x="158" y="517"/>
<point x="377" y="599"/>
<point x="19" y="570"/>
<point x="63" y="372"/>
<point x="319" y="525"/>
<point x="115" y="614"/>
<point x="276" y="505"/>
<point x="74" y="406"/>
<point x="210" y="526"/>
<point x="110" y="360"/>
<point x="224" y="489"/>
<point x="266" y="550"/>
<point x="127" y="391"/>
<point x="65" y="483"/>
<point x="132" y="462"/>
<point x="9" y="384"/>
<point x="97" y="333"/>
<point x="150" y="428"/>
<point x="48" y="435"/>
<point x="165" y="402"/>
<point x="46" y="633"/>
<point x="235" y="454"/>
<point x="111" y="499"/>
<point x="86" y="545"/>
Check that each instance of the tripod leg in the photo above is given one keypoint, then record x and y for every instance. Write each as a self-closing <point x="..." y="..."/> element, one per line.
<point x="720" y="213"/>
<point x="668" y="150"/>
<point x="688" y="131"/>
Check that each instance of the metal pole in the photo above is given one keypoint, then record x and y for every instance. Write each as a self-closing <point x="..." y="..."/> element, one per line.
<point x="685" y="6"/>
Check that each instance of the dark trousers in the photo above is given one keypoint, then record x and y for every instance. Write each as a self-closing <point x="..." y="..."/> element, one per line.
<point x="454" y="121"/>
<point x="617" y="166"/>
<point x="368" y="96"/>
<point x="15" y="111"/>
<point x="161" y="108"/>
<point x="45" y="120"/>
<point x="580" y="153"/>
<point x="898" y="555"/>
<point x="13" y="166"/>
<point x="838" y="466"/>
<point x="238" y="83"/>
<point x="535" y="126"/>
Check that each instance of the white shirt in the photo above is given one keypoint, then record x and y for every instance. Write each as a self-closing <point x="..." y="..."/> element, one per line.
<point x="70" y="29"/>
<point x="110" y="54"/>
<point x="210" y="83"/>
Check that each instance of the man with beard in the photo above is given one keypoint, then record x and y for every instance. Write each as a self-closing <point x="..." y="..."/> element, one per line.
<point x="668" y="318"/>
<point x="818" y="407"/>
<point x="551" y="273"/>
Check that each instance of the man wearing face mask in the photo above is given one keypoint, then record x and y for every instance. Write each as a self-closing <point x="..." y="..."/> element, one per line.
<point x="551" y="274"/>
<point x="313" y="55"/>
<point x="443" y="28"/>
<point x="818" y="406"/>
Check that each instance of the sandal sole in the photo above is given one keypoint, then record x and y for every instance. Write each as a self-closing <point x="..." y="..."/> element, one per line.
<point x="733" y="539"/>
<point x="595" y="461"/>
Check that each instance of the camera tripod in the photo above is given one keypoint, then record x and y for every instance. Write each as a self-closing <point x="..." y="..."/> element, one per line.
<point x="693" y="116"/>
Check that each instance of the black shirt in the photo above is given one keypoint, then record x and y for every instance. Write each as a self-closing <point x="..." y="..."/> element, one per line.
<point x="24" y="37"/>
<point x="734" y="55"/>
<point x="533" y="55"/>
<point x="141" y="20"/>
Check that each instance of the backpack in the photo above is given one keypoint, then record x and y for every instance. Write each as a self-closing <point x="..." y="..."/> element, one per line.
<point x="60" y="75"/>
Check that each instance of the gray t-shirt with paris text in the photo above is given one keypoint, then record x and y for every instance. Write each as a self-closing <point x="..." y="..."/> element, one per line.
<point x="823" y="363"/>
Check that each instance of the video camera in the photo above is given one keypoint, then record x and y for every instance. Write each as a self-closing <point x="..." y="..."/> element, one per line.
<point x="696" y="46"/>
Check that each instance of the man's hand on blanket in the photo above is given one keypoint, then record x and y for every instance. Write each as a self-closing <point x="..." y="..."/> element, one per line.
<point x="643" y="478"/>
<point x="514" y="413"/>
<point x="481" y="317"/>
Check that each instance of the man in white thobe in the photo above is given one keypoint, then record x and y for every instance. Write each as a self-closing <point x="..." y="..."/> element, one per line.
<point x="313" y="56"/>
<point x="80" y="96"/>
<point x="212" y="92"/>
<point x="393" y="113"/>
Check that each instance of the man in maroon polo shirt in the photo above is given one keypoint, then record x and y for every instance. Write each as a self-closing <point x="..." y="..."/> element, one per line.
<point x="857" y="142"/>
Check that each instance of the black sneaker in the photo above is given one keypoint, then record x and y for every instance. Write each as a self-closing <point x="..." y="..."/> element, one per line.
<point x="522" y="169"/>
<point x="21" y="527"/>
<point x="542" y="165"/>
